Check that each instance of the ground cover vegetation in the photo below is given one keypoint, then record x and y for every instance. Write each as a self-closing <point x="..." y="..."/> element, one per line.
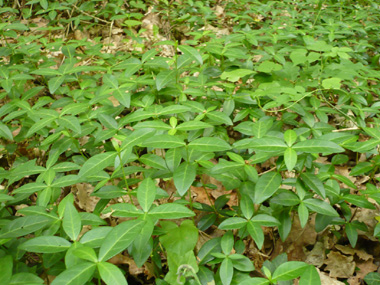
<point x="189" y="142"/>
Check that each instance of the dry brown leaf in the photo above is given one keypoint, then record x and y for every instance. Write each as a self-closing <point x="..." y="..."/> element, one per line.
<point x="340" y="265"/>
<point x="317" y="255"/>
<point x="82" y="196"/>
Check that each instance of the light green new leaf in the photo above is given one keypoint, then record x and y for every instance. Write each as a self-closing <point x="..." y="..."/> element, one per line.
<point x="76" y="275"/>
<point x="320" y="207"/>
<point x="317" y="146"/>
<point x="290" y="158"/>
<point x="46" y="72"/>
<point x="71" y="222"/>
<point x="164" y="78"/>
<point x="184" y="176"/>
<point x="266" y="186"/>
<point x="111" y="274"/>
<point x="209" y="144"/>
<point x="163" y="141"/>
<point x="146" y="193"/>
<point x="120" y="238"/>
<point x="192" y="52"/>
<point x="236" y="74"/>
<point x="110" y="80"/>
<point x="5" y="132"/>
<point x="303" y="214"/>
<point x="124" y="210"/>
<point x="332" y="83"/>
<point x="96" y="163"/>
<point x="290" y="137"/>
<point x="46" y="244"/>
<point x="289" y="270"/>
<point x="314" y="183"/>
<point x="171" y="211"/>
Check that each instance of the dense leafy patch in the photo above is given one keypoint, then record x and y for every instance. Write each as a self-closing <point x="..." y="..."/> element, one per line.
<point x="117" y="117"/>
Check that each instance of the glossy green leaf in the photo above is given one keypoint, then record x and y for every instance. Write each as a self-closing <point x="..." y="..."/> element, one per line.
<point x="227" y="243"/>
<point x="164" y="78"/>
<point x="317" y="146"/>
<point x="71" y="222"/>
<point x="193" y="125"/>
<point x="24" y="225"/>
<point x="289" y="270"/>
<point x="314" y="183"/>
<point x="137" y="137"/>
<point x="170" y="211"/>
<point x="96" y="163"/>
<point x="78" y="274"/>
<point x="192" y="52"/>
<point x="146" y="193"/>
<point x="111" y="274"/>
<point x="5" y="132"/>
<point x="226" y="271"/>
<point x="310" y="276"/>
<point x="120" y="238"/>
<point x="263" y="144"/>
<point x="256" y="232"/>
<point x="163" y="141"/>
<point x="86" y="253"/>
<point x="320" y="207"/>
<point x="46" y="244"/>
<point x="6" y="265"/>
<point x="209" y="144"/>
<point x="266" y="186"/>
<point x="184" y="176"/>
<point x="290" y="158"/>
<point x="232" y="223"/>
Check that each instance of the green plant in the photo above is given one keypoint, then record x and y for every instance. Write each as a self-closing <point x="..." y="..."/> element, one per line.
<point x="270" y="112"/>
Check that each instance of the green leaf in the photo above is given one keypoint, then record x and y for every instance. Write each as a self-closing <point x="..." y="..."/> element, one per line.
<point x="192" y="52"/>
<point x="289" y="270"/>
<point x="39" y="125"/>
<point x="71" y="222"/>
<point x="24" y="278"/>
<point x="46" y="72"/>
<point x="164" y="78"/>
<point x="24" y="225"/>
<point x="331" y="83"/>
<point x="136" y="138"/>
<point x="182" y="239"/>
<point x="46" y="244"/>
<point x="94" y="238"/>
<point x="55" y="82"/>
<point x="314" y="183"/>
<point x="265" y="220"/>
<point x="96" y="163"/>
<point x="219" y="117"/>
<point x="171" y="211"/>
<point x="209" y="144"/>
<point x="310" y="276"/>
<point x="30" y="188"/>
<point x="184" y="176"/>
<point x="78" y="274"/>
<point x="246" y="206"/>
<point x="317" y="146"/>
<point x="124" y="210"/>
<point x="146" y="193"/>
<point x="320" y="207"/>
<point x="232" y="223"/>
<point x="303" y="214"/>
<point x="352" y="234"/>
<point x="86" y="253"/>
<point x="257" y="234"/>
<point x="242" y="263"/>
<point x="163" y="141"/>
<point x="372" y="278"/>
<point x="5" y="132"/>
<point x="6" y="265"/>
<point x="227" y="243"/>
<point x="226" y="271"/>
<point x="290" y="158"/>
<point x="263" y="144"/>
<point x="193" y="125"/>
<point x="111" y="274"/>
<point x="290" y="137"/>
<point x="119" y="238"/>
<point x="266" y="186"/>
<point x="236" y="74"/>
<point x="71" y="123"/>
